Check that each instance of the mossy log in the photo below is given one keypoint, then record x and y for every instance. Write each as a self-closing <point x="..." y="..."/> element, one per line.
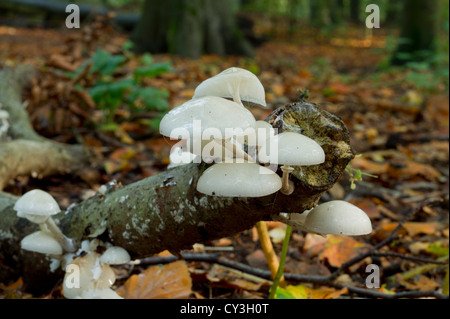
<point x="165" y="211"/>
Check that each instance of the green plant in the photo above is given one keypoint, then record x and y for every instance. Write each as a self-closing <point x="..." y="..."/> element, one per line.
<point x="112" y="90"/>
<point x="355" y="174"/>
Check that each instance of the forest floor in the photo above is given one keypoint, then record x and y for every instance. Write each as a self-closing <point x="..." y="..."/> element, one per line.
<point x="398" y="119"/>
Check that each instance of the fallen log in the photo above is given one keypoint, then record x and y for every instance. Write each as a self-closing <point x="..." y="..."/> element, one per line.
<point x="165" y="211"/>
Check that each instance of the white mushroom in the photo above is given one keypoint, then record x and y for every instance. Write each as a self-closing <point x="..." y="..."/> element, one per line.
<point x="263" y="132"/>
<point x="236" y="83"/>
<point x="38" y="207"/>
<point x="289" y="148"/>
<point x="238" y="180"/>
<point x="338" y="217"/>
<point x="41" y="242"/>
<point x="208" y="119"/>
<point x="179" y="157"/>
<point x="115" y="256"/>
<point x="87" y="278"/>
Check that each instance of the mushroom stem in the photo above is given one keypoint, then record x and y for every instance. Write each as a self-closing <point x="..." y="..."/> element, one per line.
<point x="235" y="93"/>
<point x="287" y="187"/>
<point x="240" y="153"/>
<point x="66" y="243"/>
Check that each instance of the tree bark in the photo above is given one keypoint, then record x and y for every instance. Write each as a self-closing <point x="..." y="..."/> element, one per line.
<point x="190" y="28"/>
<point x="355" y="10"/>
<point x="166" y="211"/>
<point x="419" y="31"/>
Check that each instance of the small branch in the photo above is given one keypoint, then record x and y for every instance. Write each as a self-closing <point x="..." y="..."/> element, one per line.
<point x="266" y="274"/>
<point x="412" y="258"/>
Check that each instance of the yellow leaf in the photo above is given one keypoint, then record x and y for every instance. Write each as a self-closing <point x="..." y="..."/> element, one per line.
<point x="304" y="292"/>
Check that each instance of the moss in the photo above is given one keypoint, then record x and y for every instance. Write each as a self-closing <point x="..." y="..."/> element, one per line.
<point x="327" y="130"/>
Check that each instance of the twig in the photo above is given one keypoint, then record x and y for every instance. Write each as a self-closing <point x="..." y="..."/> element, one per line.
<point x="412" y="258"/>
<point x="318" y="280"/>
<point x="324" y="280"/>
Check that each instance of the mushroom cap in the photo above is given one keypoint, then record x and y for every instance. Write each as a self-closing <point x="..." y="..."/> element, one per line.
<point x="212" y="111"/>
<point x="41" y="242"/>
<point x="36" y="205"/>
<point x="292" y="149"/>
<point x="339" y="218"/>
<point x="115" y="255"/>
<point x="179" y="157"/>
<point x="231" y="81"/>
<point x="238" y="180"/>
<point x="262" y="132"/>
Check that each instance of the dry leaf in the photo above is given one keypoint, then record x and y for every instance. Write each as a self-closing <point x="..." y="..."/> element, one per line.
<point x="171" y="281"/>
<point x="340" y="249"/>
<point x="336" y="249"/>
<point x="414" y="228"/>
<point x="370" y="167"/>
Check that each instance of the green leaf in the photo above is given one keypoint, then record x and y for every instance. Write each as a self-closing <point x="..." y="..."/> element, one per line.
<point x="109" y="127"/>
<point x="128" y="45"/>
<point x="152" y="70"/>
<point x="153" y="99"/>
<point x="438" y="249"/>
<point x="105" y="63"/>
<point x="146" y="59"/>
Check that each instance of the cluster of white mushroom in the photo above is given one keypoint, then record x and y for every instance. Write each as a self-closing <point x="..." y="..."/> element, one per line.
<point x="247" y="152"/>
<point x="88" y="273"/>
<point x="38" y="207"/>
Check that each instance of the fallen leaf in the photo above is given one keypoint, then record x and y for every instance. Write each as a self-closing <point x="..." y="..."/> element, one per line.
<point x="305" y="292"/>
<point x="369" y="167"/>
<point x="414" y="228"/>
<point x="412" y="169"/>
<point x="423" y="283"/>
<point x="336" y="249"/>
<point x="170" y="281"/>
<point x="340" y="249"/>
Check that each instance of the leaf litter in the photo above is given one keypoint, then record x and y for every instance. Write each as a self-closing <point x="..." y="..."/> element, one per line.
<point x="400" y="128"/>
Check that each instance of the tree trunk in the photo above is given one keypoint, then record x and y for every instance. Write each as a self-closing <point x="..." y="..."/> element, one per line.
<point x="190" y="28"/>
<point x="419" y="31"/>
<point x="355" y="10"/>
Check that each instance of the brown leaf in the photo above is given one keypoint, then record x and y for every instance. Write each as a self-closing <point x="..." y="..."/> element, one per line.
<point x="369" y="167"/>
<point x="336" y="249"/>
<point x="340" y="249"/>
<point x="412" y="169"/>
<point x="171" y="281"/>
